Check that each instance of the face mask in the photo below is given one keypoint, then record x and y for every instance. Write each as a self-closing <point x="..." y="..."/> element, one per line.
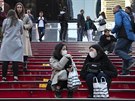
<point x="64" y="52"/>
<point x="93" y="54"/>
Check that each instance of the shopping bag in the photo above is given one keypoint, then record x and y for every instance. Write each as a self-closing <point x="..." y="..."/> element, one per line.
<point x="104" y="88"/>
<point x="73" y="79"/>
<point x="102" y="22"/>
<point x="100" y="89"/>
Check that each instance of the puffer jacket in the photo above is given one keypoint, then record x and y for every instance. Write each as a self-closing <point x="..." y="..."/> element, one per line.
<point x="123" y="28"/>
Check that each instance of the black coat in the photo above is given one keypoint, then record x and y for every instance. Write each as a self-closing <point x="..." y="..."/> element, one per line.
<point x="103" y="41"/>
<point x="80" y="21"/>
<point x="105" y="65"/>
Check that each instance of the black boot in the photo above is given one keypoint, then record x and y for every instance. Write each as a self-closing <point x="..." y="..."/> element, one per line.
<point x="58" y="94"/>
<point x="25" y="67"/>
<point x="70" y="94"/>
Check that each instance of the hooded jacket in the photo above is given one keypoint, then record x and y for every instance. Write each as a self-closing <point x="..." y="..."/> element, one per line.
<point x="105" y="64"/>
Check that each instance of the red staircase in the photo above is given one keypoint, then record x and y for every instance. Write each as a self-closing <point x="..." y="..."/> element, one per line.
<point x="32" y="83"/>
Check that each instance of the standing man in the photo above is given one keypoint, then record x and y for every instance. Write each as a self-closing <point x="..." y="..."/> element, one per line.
<point x="63" y="18"/>
<point x="125" y="37"/>
<point x="80" y="25"/>
<point x="2" y="17"/>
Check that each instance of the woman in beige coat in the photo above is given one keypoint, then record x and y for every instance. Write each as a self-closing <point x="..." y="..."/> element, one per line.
<point x="27" y="24"/>
<point x="61" y="64"/>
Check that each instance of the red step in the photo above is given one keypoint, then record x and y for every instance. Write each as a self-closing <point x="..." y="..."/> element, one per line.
<point x="42" y="93"/>
<point x="38" y="66"/>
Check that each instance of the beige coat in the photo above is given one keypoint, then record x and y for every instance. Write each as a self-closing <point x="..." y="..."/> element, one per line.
<point x="58" y="72"/>
<point x="27" y="25"/>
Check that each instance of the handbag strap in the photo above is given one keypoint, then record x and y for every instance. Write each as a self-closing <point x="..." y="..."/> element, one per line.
<point x="103" y="79"/>
<point x="95" y="80"/>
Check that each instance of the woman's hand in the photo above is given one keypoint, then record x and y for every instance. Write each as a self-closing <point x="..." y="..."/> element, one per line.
<point x="68" y="56"/>
<point x="69" y="68"/>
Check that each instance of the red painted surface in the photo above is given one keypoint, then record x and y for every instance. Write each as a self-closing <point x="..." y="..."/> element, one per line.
<point x="28" y="84"/>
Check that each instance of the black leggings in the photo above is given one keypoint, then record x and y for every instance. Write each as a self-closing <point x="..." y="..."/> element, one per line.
<point x="5" y="68"/>
<point x="62" y="84"/>
<point x="25" y="58"/>
<point x="89" y="81"/>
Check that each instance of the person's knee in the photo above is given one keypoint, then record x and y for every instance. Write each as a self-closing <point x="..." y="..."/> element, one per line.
<point x="89" y="77"/>
<point x="116" y="51"/>
<point x="101" y="75"/>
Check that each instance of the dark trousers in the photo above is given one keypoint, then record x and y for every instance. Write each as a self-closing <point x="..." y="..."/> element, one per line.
<point x="122" y="49"/>
<point x="109" y="47"/>
<point x="62" y="84"/>
<point x="89" y="81"/>
<point x="30" y="34"/>
<point x="5" y="68"/>
<point x="80" y="34"/>
<point x="41" y="31"/>
<point x="63" y="31"/>
<point x="25" y="59"/>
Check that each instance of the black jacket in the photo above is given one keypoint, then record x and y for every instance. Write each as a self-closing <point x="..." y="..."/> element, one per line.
<point x="80" y="21"/>
<point x="63" y="18"/>
<point x="103" y="41"/>
<point x="105" y="65"/>
<point x="90" y="25"/>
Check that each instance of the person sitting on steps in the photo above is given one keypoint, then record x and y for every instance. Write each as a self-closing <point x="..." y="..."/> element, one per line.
<point x="61" y="63"/>
<point x="97" y="64"/>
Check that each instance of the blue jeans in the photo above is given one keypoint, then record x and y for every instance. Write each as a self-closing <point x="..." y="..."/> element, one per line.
<point x="122" y="49"/>
<point x="80" y="34"/>
<point x="89" y="81"/>
<point x="41" y="31"/>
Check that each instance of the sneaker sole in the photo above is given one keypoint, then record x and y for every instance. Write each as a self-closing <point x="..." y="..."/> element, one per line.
<point x="131" y="65"/>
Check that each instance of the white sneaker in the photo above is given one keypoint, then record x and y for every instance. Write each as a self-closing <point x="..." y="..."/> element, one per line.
<point x="4" y="79"/>
<point x="15" y="78"/>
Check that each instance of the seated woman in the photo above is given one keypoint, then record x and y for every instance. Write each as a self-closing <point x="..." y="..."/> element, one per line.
<point x="61" y="64"/>
<point x="97" y="64"/>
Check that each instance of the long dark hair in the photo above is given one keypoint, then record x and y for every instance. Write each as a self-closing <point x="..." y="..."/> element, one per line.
<point x="12" y="15"/>
<point x="103" y="15"/>
<point x="57" y="51"/>
<point x="21" y="15"/>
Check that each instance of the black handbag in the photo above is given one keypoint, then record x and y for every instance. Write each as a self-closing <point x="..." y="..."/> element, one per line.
<point x="48" y="87"/>
<point x="102" y="22"/>
<point x="93" y="67"/>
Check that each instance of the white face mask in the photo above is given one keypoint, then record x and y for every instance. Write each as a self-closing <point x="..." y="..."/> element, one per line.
<point x="64" y="52"/>
<point x="93" y="54"/>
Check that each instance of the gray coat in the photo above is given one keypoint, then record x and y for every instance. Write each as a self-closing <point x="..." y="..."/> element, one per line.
<point x="27" y="23"/>
<point x="12" y="45"/>
<point x="58" y="72"/>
